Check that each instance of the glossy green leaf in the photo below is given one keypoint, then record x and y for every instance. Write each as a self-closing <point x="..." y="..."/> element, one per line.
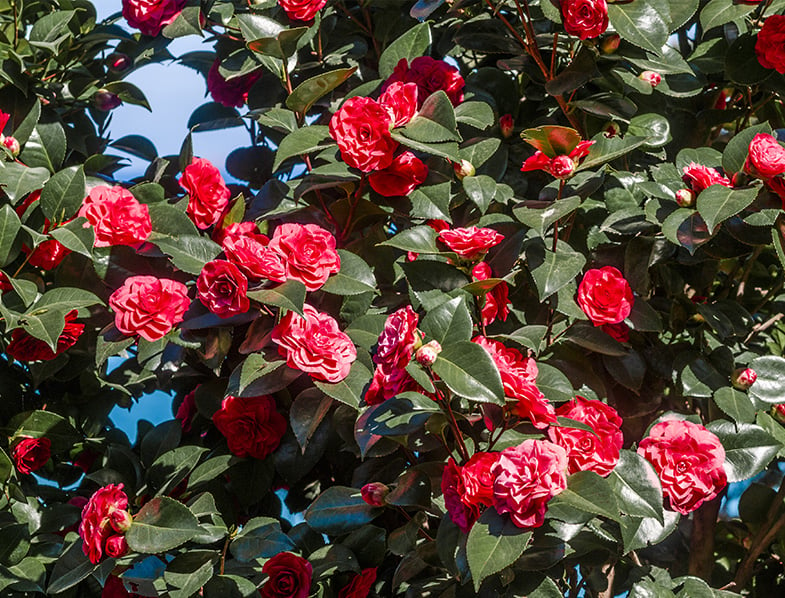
<point x="636" y="486"/>
<point x="355" y="276"/>
<point x="645" y="23"/>
<point x="302" y="141"/>
<point x="307" y="93"/>
<point x="75" y="236"/>
<point x="339" y="510"/>
<point x="588" y="492"/>
<point x="735" y="154"/>
<point x="409" y="46"/>
<point x="552" y="140"/>
<point x="448" y="323"/>
<point x="9" y="228"/>
<point x="63" y="194"/>
<point x="555" y="270"/>
<point x="735" y="404"/>
<point x="494" y="543"/>
<point x="718" y="203"/>
<point x="349" y="390"/>
<point x="290" y="296"/>
<point x="162" y="524"/>
<point x="719" y="12"/>
<point x="769" y="386"/>
<point x="748" y="448"/>
<point x="468" y="371"/>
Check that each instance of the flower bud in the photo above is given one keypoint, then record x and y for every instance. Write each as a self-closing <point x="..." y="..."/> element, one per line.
<point x="12" y="145"/>
<point x="562" y="167"/>
<point x="610" y="43"/>
<point x="651" y="77"/>
<point x="105" y="100"/>
<point x="611" y="129"/>
<point x="743" y="378"/>
<point x="121" y="520"/>
<point x="427" y="354"/>
<point x="116" y="546"/>
<point x="685" y="198"/>
<point x="374" y="493"/>
<point x="463" y="169"/>
<point x="506" y="124"/>
<point x="117" y="62"/>
<point x="779" y="412"/>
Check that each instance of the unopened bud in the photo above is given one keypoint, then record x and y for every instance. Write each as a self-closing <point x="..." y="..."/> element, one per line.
<point x="506" y="124"/>
<point x="463" y="169"/>
<point x="779" y="412"/>
<point x="121" y="520"/>
<point x="685" y="198"/>
<point x="428" y="353"/>
<point x="116" y="546"/>
<point x="611" y="129"/>
<point x="653" y="78"/>
<point x="117" y="62"/>
<point x="12" y="145"/>
<point x="610" y="43"/>
<point x="374" y="493"/>
<point x="105" y="100"/>
<point x="743" y="378"/>
<point x="562" y="167"/>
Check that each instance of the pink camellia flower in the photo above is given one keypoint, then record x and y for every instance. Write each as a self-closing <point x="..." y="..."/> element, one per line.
<point x="208" y="195"/>
<point x="770" y="44"/>
<point x="430" y="75"/>
<point x="116" y="216"/>
<point x="222" y="289"/>
<point x="561" y="166"/>
<point x="605" y="296"/>
<point x="253" y="256"/>
<point x="689" y="460"/>
<point x="314" y="344"/>
<point x="496" y="300"/>
<point x="26" y="347"/>
<point x="308" y="253"/>
<point x="393" y="353"/>
<point x="251" y="425"/>
<point x="404" y="175"/>
<point x="477" y="480"/>
<point x="653" y="78"/>
<point x="470" y="243"/>
<point x="766" y="157"/>
<point x="237" y="230"/>
<point x="105" y="515"/>
<point x="427" y="354"/>
<point x="700" y="177"/>
<point x="361" y="128"/>
<point x="288" y="576"/>
<point x="301" y="10"/>
<point x="743" y="378"/>
<point x="527" y="476"/>
<point x="584" y="18"/>
<point x="232" y="93"/>
<point x="400" y="100"/>
<point x="149" y="306"/>
<point x="463" y="515"/>
<point x="374" y="493"/>
<point x="598" y="452"/>
<point x="150" y="16"/>
<point x="31" y="454"/>
<point x="531" y="404"/>
<point x="360" y="586"/>
<point x="506" y="125"/>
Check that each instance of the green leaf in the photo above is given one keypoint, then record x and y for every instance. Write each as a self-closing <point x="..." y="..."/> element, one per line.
<point x="448" y="323"/>
<point x="769" y="386"/>
<point x="18" y="180"/>
<point x="173" y="466"/>
<point x="590" y="493"/>
<point x="307" y="93"/>
<point x="213" y="116"/>
<point x="75" y="236"/>
<point x="552" y="140"/>
<point x="531" y="336"/>
<point x="354" y="278"/>
<point x="410" y="45"/>
<point x="719" y="12"/>
<point x="476" y="114"/>
<point x="481" y="190"/>
<point x="468" y="371"/>
<point x="400" y="415"/>
<point x="71" y="567"/>
<point x="493" y="544"/>
<point x="446" y="149"/>
<point x="594" y="339"/>
<point x="718" y="203"/>
<point x="741" y="62"/>
<point x="339" y="510"/>
<point x="261" y="537"/>
<point x="64" y="299"/>
<point x="129" y="93"/>
<point x="162" y="524"/>
<point x="735" y="404"/>
<point x="636" y="486"/>
<point x="290" y="296"/>
<point x="434" y="122"/>
<point x="412" y="489"/>
<point x="46" y="147"/>
<point x="189" y="571"/>
<point x="302" y="141"/>
<point x="554" y="384"/>
<point x="654" y="127"/>
<point x="540" y="219"/>
<point x="168" y="220"/>
<point x="748" y="448"/>
<point x="735" y="154"/>
<point x="554" y="270"/>
<point x="189" y="253"/>
<point x="45" y="424"/>
<point x="606" y="149"/>
<point x="419" y="239"/>
<point x="349" y="390"/>
<point x="640" y="532"/>
<point x="63" y="194"/>
<point x="138" y="146"/>
<point x="645" y="23"/>
<point x="9" y="228"/>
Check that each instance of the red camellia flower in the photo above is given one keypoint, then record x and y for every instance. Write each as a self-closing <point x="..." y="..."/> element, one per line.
<point x="308" y="253"/>
<point x="238" y="230"/>
<point x="208" y="195"/>
<point x="30" y="454"/>
<point x="114" y="588"/>
<point x="400" y="100"/>
<point x="288" y="576"/>
<point x="527" y="476"/>
<point x="393" y="353"/>
<point x="104" y="516"/>
<point x="689" y="460"/>
<point x="222" y="289"/>
<point x="117" y="217"/>
<point x="5" y="283"/>
<point x="187" y="411"/>
<point x="471" y="242"/>
<point x="770" y="45"/>
<point x="743" y="378"/>
<point x="48" y="254"/>
<point x="360" y="586"/>
<point x="584" y="18"/>
<point x="251" y="425"/>
<point x="478" y="480"/>
<point x="253" y="256"/>
<point x="232" y="93"/>
<point x="149" y="306"/>
<point x="150" y="16"/>
<point x="620" y="331"/>
<point x="605" y="296"/>
<point x="362" y="130"/>
<point x="700" y="177"/>
<point x="598" y="452"/>
<point x="401" y="177"/>
<point x="301" y="10"/>
<point x="374" y="493"/>
<point x="562" y="166"/>
<point x="496" y="300"/>
<point x="116" y="546"/>
<point x="430" y="75"/>
<point x="766" y="157"/>
<point x="25" y="347"/>
<point x="314" y="344"/>
<point x="506" y="125"/>
<point x="461" y="514"/>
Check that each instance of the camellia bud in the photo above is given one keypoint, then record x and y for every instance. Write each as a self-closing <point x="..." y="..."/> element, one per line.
<point x="427" y="354"/>
<point x="12" y="145"/>
<point x="651" y="77"/>
<point x="743" y="378"/>
<point x="117" y="62"/>
<point x="105" y="100"/>
<point x="610" y="43"/>
<point x="116" y="546"/>
<point x="374" y="493"/>
<point x="562" y="167"/>
<point x="685" y="198"/>
<point x="463" y="169"/>
<point x="506" y="124"/>
<point x="121" y="520"/>
<point x="611" y="129"/>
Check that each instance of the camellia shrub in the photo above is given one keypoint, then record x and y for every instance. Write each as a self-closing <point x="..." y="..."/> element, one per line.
<point x="490" y="304"/>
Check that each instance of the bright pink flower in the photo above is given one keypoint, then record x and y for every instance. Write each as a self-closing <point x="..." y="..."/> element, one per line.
<point x="25" y="347"/>
<point x="584" y="18"/>
<point x="253" y="256"/>
<point x="393" y="353"/>
<point x="223" y="289"/>
<point x="374" y="493"/>
<point x="605" y="296"/>
<point x="116" y="216"/>
<point x="308" y="253"/>
<point x="477" y="479"/>
<point x="362" y="130"/>
<point x="430" y="75"/>
<point x="496" y="300"/>
<point x="149" y="306"/>
<point x="404" y="175"/>
<point x="400" y="100"/>
<point x="471" y="242"/>
<point x="150" y="16"/>
<point x="208" y="195"/>
<point x="766" y="157"/>
<point x="104" y="515"/>
<point x="700" y="177"/>
<point x="460" y="513"/>
<point x="770" y="44"/>
<point x="561" y="166"/>
<point x="301" y="10"/>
